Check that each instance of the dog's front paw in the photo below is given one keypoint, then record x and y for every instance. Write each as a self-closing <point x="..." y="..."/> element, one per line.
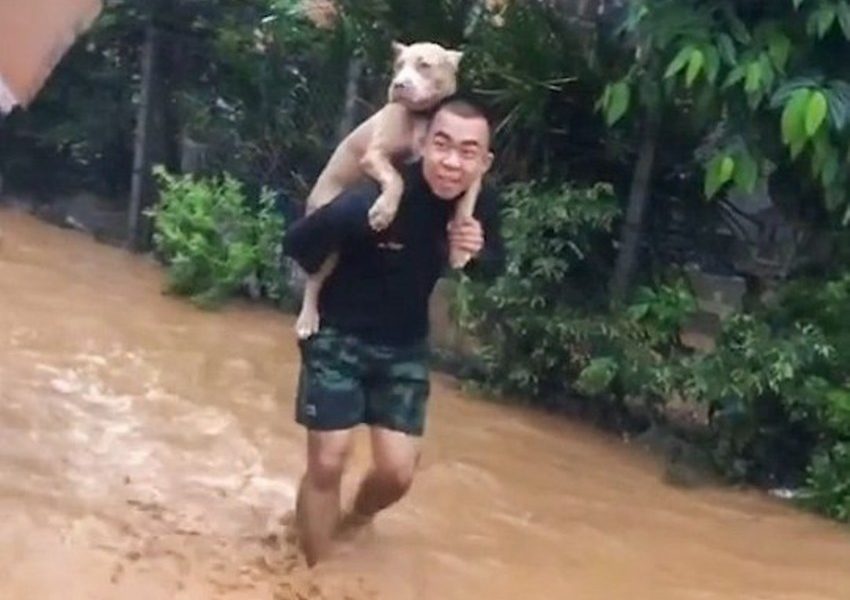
<point x="382" y="213"/>
<point x="307" y="324"/>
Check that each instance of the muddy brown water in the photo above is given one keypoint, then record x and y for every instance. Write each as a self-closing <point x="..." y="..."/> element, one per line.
<point x="147" y="451"/>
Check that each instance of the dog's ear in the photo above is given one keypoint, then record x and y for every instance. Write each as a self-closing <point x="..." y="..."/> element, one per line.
<point x="454" y="57"/>
<point x="398" y="48"/>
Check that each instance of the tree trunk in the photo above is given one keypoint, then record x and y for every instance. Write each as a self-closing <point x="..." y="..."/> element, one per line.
<point x="632" y="232"/>
<point x="349" y="112"/>
<point x="141" y="182"/>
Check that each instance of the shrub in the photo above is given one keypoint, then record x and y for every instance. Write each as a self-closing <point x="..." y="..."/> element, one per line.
<point x="535" y="341"/>
<point x="828" y="483"/>
<point x="213" y="242"/>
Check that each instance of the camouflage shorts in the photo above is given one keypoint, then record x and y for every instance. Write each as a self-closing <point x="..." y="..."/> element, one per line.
<point x="345" y="382"/>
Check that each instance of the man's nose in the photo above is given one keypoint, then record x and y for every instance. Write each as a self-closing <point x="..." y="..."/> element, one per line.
<point x="451" y="159"/>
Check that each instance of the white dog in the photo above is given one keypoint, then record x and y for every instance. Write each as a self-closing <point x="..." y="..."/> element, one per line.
<point x="424" y="74"/>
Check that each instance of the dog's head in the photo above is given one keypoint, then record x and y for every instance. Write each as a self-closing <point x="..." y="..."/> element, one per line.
<point x="424" y="73"/>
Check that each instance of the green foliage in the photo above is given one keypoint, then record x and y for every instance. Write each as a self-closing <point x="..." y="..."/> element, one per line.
<point x="828" y="483"/>
<point x="773" y="387"/>
<point x="749" y="384"/>
<point x="213" y="243"/>
<point x="756" y="72"/>
<point x="658" y="313"/>
<point x="535" y="340"/>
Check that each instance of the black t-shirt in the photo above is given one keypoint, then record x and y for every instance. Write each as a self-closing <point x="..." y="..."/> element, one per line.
<point x="380" y="287"/>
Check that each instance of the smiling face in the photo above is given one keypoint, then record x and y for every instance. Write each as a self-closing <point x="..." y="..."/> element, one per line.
<point x="456" y="151"/>
<point x="423" y="74"/>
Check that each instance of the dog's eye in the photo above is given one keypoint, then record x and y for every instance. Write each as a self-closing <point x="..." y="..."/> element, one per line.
<point x="425" y="65"/>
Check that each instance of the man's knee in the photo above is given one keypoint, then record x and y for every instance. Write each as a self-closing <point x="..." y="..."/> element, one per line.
<point x="396" y="476"/>
<point x="326" y="463"/>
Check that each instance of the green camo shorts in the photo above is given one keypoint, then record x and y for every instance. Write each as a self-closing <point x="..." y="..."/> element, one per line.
<point x="345" y="382"/>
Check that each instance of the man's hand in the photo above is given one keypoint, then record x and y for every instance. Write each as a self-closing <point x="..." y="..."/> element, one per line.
<point x="466" y="236"/>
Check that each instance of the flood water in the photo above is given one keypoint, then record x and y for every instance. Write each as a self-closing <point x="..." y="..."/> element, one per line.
<point x="147" y="451"/>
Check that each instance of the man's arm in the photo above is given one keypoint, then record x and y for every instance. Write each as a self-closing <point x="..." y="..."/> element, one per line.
<point x="311" y="239"/>
<point x="490" y="262"/>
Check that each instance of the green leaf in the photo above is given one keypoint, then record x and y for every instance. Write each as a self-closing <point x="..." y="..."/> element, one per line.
<point x="779" y="48"/>
<point x="844" y="18"/>
<point x="753" y="77"/>
<point x="727" y="168"/>
<point x="735" y="75"/>
<point x="797" y="147"/>
<point x="767" y="73"/>
<point x="712" y="63"/>
<point x="821" y="20"/>
<point x="746" y="172"/>
<point x="597" y="376"/>
<point x="719" y="171"/>
<point x="738" y="29"/>
<point x="679" y="62"/>
<point x="782" y="95"/>
<point x="619" y="102"/>
<point x="834" y="198"/>
<point x="817" y="164"/>
<point x="605" y="99"/>
<point x="830" y="170"/>
<point x="839" y="104"/>
<point x="727" y="48"/>
<point x="798" y="3"/>
<point x="793" y="118"/>
<point x="815" y="113"/>
<point x="695" y="64"/>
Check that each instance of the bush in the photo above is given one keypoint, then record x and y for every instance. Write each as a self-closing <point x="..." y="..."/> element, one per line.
<point x="214" y="243"/>
<point x="750" y="385"/>
<point x="825" y="402"/>
<point x="777" y="401"/>
<point x="828" y="484"/>
<point x="534" y="339"/>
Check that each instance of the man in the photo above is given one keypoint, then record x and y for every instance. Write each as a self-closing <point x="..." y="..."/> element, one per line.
<point x="368" y="363"/>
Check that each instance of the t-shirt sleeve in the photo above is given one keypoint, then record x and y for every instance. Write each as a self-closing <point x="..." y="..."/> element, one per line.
<point x="311" y="239"/>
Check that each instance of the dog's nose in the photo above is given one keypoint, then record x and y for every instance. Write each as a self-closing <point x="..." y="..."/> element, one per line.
<point x="400" y="85"/>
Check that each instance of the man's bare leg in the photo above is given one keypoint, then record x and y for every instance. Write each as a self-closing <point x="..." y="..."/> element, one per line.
<point x="395" y="456"/>
<point x="317" y="509"/>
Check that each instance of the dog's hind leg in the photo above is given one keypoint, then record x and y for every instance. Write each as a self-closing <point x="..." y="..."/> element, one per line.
<point x="308" y="319"/>
<point x="465" y="209"/>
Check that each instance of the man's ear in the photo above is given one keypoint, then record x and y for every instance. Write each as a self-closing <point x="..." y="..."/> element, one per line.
<point x="454" y="57"/>
<point x="487" y="162"/>
<point x="398" y="48"/>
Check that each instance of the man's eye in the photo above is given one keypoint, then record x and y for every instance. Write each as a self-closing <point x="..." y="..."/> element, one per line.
<point x="469" y="154"/>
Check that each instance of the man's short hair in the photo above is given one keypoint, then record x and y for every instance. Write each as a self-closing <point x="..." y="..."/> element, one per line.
<point x="462" y="106"/>
<point x="465" y="107"/>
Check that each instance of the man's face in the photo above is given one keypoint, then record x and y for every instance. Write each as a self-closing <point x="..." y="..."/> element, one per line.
<point x="456" y="153"/>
